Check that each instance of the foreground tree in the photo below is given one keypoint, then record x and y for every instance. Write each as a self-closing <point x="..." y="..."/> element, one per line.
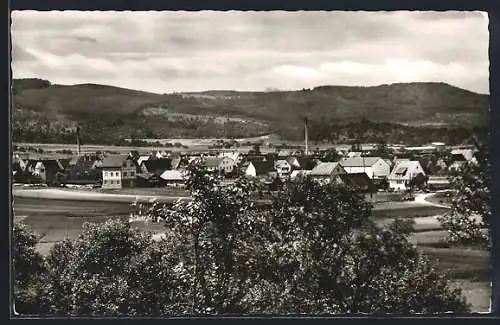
<point x="313" y="249"/>
<point x="29" y="268"/>
<point x="469" y="219"/>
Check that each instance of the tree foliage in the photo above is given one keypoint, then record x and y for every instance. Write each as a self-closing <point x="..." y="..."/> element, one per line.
<point x="312" y="249"/>
<point x="469" y="219"/>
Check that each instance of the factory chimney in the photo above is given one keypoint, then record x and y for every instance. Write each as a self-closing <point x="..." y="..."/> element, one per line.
<point x="78" y="140"/>
<point x="306" y="136"/>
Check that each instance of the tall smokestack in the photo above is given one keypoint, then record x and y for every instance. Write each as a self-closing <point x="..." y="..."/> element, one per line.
<point x="306" y="136"/>
<point x="78" y="140"/>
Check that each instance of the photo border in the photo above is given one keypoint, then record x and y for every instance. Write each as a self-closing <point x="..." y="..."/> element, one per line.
<point x="494" y="53"/>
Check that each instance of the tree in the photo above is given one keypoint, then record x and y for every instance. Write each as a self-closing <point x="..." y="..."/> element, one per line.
<point x="469" y="219"/>
<point x="111" y="270"/>
<point x="312" y="249"/>
<point x="29" y="268"/>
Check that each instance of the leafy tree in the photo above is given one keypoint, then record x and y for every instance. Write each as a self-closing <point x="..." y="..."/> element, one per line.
<point x="469" y="219"/>
<point x="113" y="270"/>
<point x="312" y="249"/>
<point x="29" y="268"/>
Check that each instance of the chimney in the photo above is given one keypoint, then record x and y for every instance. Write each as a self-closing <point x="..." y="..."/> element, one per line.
<point x="306" y="136"/>
<point x="78" y="140"/>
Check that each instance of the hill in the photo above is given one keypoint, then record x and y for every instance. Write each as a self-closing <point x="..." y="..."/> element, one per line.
<point x="107" y="113"/>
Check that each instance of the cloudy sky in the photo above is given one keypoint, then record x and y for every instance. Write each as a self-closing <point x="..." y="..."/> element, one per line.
<point x="192" y="51"/>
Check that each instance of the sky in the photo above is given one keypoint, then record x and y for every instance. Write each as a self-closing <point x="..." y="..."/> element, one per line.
<point x="178" y="51"/>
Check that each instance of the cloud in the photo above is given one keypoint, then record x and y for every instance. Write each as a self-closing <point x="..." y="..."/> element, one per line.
<point x="189" y="51"/>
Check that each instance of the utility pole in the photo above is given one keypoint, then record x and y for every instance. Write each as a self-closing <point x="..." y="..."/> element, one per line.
<point x="306" y="136"/>
<point x="78" y="140"/>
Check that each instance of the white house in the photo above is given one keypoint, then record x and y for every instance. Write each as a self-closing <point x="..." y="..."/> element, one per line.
<point x="403" y="173"/>
<point x="327" y="171"/>
<point x="374" y="167"/>
<point x="248" y="169"/>
<point x="118" y="171"/>
<point x="236" y="156"/>
<point x="283" y="168"/>
<point x="224" y="165"/>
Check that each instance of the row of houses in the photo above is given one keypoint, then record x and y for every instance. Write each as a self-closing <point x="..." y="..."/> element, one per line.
<point x="161" y="168"/>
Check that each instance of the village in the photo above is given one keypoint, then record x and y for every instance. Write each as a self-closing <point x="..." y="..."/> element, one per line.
<point x="367" y="168"/>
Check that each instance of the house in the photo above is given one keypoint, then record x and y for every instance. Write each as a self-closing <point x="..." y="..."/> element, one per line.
<point x="223" y="165"/>
<point x="173" y="177"/>
<point x="227" y="165"/>
<point x="357" y="181"/>
<point x="236" y="156"/>
<point x="283" y="168"/>
<point x="258" y="168"/>
<point x="438" y="182"/>
<point x="468" y="154"/>
<point x="458" y="161"/>
<point x="141" y="159"/>
<point x="118" y="171"/>
<point x="248" y="169"/>
<point x="156" y="166"/>
<point x="352" y="154"/>
<point x="299" y="173"/>
<point x="374" y="167"/>
<point x="255" y="158"/>
<point x="302" y="163"/>
<point x="83" y="169"/>
<point x="47" y="169"/>
<point x="403" y="173"/>
<point x="327" y="171"/>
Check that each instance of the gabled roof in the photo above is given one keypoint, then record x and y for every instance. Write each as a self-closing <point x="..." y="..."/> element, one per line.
<point x="263" y="167"/>
<point x="358" y="181"/>
<point x="172" y="175"/>
<point x="153" y="165"/>
<point x="306" y="163"/>
<point x="51" y="164"/>
<point x="324" y="169"/>
<point x="406" y="170"/>
<point x="359" y="161"/>
<point x="114" y="161"/>
<point x="458" y="157"/>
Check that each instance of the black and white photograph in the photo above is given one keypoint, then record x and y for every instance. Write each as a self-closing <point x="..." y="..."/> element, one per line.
<point x="275" y="163"/>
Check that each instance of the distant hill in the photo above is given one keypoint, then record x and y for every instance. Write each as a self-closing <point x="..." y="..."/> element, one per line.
<point x="111" y="113"/>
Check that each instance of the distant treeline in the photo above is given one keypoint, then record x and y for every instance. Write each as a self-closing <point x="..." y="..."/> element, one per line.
<point x="108" y="129"/>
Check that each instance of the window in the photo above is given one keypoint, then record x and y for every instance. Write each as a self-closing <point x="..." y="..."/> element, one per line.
<point x="111" y="181"/>
<point x="118" y="182"/>
<point x="132" y="174"/>
<point x="124" y="174"/>
<point x="105" y="181"/>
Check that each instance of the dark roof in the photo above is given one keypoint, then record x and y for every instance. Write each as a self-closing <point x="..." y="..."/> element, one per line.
<point x="65" y="162"/>
<point x="153" y="165"/>
<point x="52" y="164"/>
<point x="263" y="167"/>
<point x="358" y="181"/>
<point x="115" y="161"/>
<point x="458" y="157"/>
<point x="255" y="158"/>
<point x="306" y="163"/>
